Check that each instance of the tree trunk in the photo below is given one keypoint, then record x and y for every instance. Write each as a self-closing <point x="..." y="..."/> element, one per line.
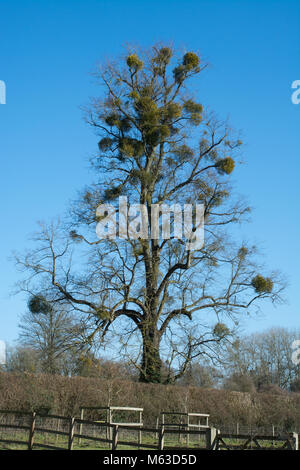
<point x="151" y="361"/>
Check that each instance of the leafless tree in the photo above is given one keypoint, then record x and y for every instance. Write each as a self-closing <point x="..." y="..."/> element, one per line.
<point x="263" y="359"/>
<point x="158" y="145"/>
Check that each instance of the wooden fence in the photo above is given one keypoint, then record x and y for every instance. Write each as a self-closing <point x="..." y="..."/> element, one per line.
<point x="230" y="441"/>
<point x="73" y="430"/>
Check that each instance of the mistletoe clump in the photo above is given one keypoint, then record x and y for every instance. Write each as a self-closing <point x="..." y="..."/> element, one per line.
<point x="38" y="304"/>
<point x="131" y="147"/>
<point x="161" y="60"/>
<point x="112" y="119"/>
<point x="194" y="111"/>
<point x="191" y="60"/>
<point x="112" y="193"/>
<point x="221" y="330"/>
<point x="243" y="252"/>
<point x="183" y="153"/>
<point x="225" y="165"/>
<point x="262" y="284"/>
<point x="134" y="62"/>
<point x="190" y="63"/>
<point x="105" y="144"/>
<point x="164" y="55"/>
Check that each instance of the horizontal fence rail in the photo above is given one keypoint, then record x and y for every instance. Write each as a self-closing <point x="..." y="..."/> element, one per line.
<point x="225" y="441"/>
<point x="31" y="430"/>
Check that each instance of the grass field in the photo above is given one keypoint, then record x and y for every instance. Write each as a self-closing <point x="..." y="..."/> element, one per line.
<point x="43" y="440"/>
<point x="60" y="441"/>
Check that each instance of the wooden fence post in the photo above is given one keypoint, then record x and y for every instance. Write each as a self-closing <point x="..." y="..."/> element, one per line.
<point x="296" y="440"/>
<point x="161" y="438"/>
<point x="211" y="434"/>
<point x="71" y="434"/>
<point x="188" y="428"/>
<point x="31" y="431"/>
<point x="80" y="426"/>
<point x="114" y="444"/>
<point x="157" y="425"/>
<point x="110" y="421"/>
<point x="180" y="427"/>
<point x="140" y="432"/>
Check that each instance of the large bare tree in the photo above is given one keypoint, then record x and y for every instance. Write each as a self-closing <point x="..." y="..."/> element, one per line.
<point x="157" y="145"/>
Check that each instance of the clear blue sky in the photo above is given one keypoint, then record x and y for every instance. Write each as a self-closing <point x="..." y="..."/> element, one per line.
<point x="48" y="48"/>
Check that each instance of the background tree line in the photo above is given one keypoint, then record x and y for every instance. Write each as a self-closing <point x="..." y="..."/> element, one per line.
<point x="51" y="342"/>
<point x="228" y="409"/>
